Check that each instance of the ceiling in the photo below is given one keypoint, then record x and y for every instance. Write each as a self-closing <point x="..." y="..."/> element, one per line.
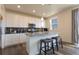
<point x="39" y="9"/>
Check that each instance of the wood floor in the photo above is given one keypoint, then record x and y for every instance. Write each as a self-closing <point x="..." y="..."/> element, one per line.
<point x="0" y="51"/>
<point x="20" y="49"/>
<point x="69" y="50"/>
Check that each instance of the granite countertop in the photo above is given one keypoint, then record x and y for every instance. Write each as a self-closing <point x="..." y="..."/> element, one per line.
<point x="41" y="34"/>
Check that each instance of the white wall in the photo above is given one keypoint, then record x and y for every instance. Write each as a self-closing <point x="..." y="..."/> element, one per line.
<point x="64" y="24"/>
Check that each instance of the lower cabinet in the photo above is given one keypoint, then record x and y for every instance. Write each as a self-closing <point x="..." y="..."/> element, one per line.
<point x="22" y="38"/>
<point x="13" y="39"/>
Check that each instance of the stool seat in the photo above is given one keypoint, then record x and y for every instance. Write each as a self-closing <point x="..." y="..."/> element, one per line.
<point x="57" y="41"/>
<point x="46" y="40"/>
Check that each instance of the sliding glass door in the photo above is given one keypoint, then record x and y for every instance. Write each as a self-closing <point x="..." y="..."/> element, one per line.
<point x="0" y="33"/>
<point x="75" y="26"/>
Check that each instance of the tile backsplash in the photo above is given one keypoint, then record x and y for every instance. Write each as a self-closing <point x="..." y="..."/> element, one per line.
<point x="14" y="30"/>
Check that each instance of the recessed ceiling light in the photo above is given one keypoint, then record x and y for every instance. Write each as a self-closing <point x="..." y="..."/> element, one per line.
<point x="18" y="6"/>
<point x="34" y="11"/>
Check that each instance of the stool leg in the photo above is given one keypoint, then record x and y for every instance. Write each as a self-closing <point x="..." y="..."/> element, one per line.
<point x="53" y="47"/>
<point x="61" y="43"/>
<point x="57" y="44"/>
<point x="40" y="46"/>
<point x="45" y="48"/>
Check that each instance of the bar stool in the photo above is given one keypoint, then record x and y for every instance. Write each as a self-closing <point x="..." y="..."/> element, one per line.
<point x="57" y="42"/>
<point x="48" y="45"/>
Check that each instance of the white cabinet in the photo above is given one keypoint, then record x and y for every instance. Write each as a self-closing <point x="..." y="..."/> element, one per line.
<point x="12" y="20"/>
<point x="11" y="39"/>
<point x="22" y="38"/>
<point x="23" y="21"/>
<point x="19" y="20"/>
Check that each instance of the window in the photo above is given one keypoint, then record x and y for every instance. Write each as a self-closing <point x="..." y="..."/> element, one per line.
<point x="53" y="23"/>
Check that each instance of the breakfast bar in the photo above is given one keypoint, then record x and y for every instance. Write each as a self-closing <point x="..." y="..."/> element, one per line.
<point x="33" y="41"/>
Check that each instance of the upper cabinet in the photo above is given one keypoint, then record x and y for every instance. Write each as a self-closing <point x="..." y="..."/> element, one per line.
<point x="23" y="21"/>
<point x="11" y="20"/>
<point x="20" y="20"/>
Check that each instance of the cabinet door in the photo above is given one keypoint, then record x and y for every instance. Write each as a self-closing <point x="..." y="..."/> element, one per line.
<point x="23" y="21"/>
<point x="22" y="38"/>
<point x="10" y="20"/>
<point x="11" y="39"/>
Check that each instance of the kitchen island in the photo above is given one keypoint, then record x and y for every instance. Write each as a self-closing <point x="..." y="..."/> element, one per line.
<point x="33" y="41"/>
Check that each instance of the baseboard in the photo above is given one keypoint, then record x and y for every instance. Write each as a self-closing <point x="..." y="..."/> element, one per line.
<point x="67" y="42"/>
<point x="13" y="45"/>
